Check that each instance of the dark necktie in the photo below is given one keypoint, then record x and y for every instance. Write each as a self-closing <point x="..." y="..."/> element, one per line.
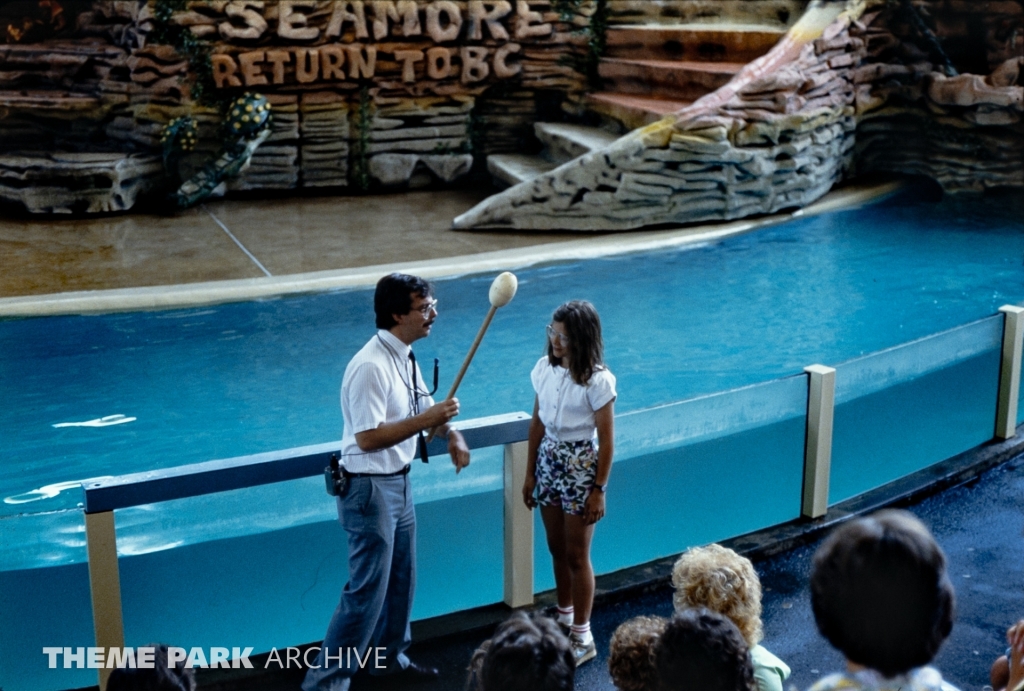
<point x="421" y="440"/>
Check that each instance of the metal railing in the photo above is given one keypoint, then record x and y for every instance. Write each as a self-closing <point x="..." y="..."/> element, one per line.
<point x="102" y="498"/>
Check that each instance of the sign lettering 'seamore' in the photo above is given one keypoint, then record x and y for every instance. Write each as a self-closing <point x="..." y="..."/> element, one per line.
<point x="337" y="41"/>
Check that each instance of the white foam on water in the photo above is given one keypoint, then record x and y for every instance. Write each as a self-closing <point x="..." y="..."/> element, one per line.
<point x="50" y="491"/>
<point x="105" y="421"/>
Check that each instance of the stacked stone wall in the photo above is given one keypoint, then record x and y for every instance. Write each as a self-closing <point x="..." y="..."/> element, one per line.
<point x="363" y="92"/>
<point x="963" y="131"/>
<point x="772" y="13"/>
<point x="396" y="92"/>
<point x="778" y="138"/>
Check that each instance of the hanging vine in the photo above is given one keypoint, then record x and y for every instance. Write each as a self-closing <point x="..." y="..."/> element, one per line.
<point x="190" y="47"/>
<point x="596" y="32"/>
<point x="361" y="142"/>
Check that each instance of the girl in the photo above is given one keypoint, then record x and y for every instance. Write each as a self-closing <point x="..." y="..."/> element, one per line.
<point x="567" y="472"/>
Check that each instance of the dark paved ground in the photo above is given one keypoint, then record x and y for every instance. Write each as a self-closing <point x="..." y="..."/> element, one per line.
<point x="980" y="527"/>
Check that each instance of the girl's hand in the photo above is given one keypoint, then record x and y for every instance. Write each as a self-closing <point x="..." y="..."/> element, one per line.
<point x="529" y="485"/>
<point x="593" y="509"/>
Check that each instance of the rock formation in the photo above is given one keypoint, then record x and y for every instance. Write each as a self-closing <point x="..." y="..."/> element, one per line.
<point x="849" y="88"/>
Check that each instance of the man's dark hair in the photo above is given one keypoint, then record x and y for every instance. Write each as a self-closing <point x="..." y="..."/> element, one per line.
<point x="583" y="329"/>
<point x="160" y="677"/>
<point x="880" y="593"/>
<point x="394" y="296"/>
<point x="528" y="654"/>
<point x="701" y="650"/>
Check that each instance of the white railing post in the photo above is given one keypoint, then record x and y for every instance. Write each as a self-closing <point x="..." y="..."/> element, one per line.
<point x="1009" y="371"/>
<point x="518" y="530"/>
<point x="104" y="584"/>
<point x="818" y="448"/>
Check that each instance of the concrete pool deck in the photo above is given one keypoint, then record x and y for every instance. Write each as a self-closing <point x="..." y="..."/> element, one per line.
<point x="234" y="250"/>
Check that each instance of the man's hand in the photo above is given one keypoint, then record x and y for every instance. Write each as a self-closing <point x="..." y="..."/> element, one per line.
<point x="593" y="509"/>
<point x="457" y="448"/>
<point x="440" y="413"/>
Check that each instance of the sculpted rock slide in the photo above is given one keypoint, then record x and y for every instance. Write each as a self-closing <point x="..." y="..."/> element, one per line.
<point x="845" y="89"/>
<point x="777" y="135"/>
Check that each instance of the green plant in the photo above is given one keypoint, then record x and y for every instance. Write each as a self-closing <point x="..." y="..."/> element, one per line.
<point x="597" y="41"/>
<point x="566" y="8"/>
<point x="190" y="47"/>
<point x="596" y="32"/>
<point x="475" y="133"/>
<point x="360" y="175"/>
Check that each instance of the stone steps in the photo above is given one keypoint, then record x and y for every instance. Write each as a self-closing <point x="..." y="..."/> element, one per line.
<point x="633" y="110"/>
<point x="562" y="142"/>
<point x="682" y="80"/>
<point x="651" y="70"/>
<point x="695" y="42"/>
<point x="508" y="170"/>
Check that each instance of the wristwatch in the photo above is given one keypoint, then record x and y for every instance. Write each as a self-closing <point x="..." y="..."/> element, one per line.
<point x="603" y="488"/>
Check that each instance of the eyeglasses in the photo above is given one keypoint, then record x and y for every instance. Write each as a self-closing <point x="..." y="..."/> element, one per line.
<point x="553" y="335"/>
<point x="426" y="308"/>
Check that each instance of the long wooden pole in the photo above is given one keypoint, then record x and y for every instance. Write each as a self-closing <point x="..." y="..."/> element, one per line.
<point x="465" y="363"/>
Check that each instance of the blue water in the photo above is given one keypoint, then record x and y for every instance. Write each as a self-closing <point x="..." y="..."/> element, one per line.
<point x="244" y="378"/>
<point x="236" y="379"/>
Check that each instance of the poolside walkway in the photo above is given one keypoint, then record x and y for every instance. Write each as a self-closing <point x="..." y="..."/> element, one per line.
<point x="245" y="249"/>
<point x="979" y="525"/>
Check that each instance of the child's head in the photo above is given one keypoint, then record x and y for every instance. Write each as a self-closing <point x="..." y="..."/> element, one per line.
<point x="721" y="580"/>
<point x="527" y="654"/>
<point x="631" y="653"/>
<point x="702" y="650"/>
<point x="159" y="677"/>
<point x="585" y="346"/>
<point x="880" y="593"/>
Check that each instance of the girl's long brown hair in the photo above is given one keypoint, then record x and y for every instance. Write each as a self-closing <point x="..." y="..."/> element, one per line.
<point x="586" y="348"/>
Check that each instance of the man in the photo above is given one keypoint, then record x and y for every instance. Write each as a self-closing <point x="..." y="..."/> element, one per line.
<point x="385" y="409"/>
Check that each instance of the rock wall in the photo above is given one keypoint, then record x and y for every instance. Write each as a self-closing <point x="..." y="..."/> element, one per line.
<point x="963" y="131"/>
<point x="780" y="13"/>
<point x="365" y="94"/>
<point x="856" y="90"/>
<point x="778" y="136"/>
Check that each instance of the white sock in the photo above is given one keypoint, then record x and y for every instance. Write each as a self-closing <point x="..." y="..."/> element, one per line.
<point x="582" y="632"/>
<point x="565" y="615"/>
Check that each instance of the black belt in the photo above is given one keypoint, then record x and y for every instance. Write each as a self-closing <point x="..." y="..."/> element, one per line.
<point x="403" y="471"/>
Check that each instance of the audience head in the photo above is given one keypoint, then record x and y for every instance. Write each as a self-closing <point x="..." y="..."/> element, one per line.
<point x="880" y="593"/>
<point x="527" y="654"/>
<point x="701" y="650"/>
<point x="631" y="654"/>
<point x="721" y="580"/>
<point x="160" y="677"/>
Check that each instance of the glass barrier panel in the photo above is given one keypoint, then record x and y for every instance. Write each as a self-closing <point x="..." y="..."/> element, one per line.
<point x="1020" y="399"/>
<point x="698" y="471"/>
<point x="908" y="407"/>
<point x="266" y="565"/>
<point x="44" y="600"/>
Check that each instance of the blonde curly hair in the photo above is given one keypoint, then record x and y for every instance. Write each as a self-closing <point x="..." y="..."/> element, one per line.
<point x="721" y="580"/>
<point x="631" y="653"/>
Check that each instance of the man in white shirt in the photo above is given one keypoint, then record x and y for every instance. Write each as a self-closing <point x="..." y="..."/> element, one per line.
<point x="386" y="408"/>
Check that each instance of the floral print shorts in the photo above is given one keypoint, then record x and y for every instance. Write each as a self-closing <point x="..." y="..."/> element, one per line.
<point x="565" y="473"/>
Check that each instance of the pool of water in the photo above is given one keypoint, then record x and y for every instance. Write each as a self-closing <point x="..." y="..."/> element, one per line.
<point x="88" y="396"/>
<point x="197" y="384"/>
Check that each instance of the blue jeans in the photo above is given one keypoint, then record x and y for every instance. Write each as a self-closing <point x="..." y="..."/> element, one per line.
<point x="376" y="604"/>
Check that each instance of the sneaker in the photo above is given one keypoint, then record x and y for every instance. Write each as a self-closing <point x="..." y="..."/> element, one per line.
<point x="582" y="652"/>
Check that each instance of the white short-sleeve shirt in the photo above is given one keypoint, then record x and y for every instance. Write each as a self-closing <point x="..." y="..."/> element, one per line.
<point x="376" y="389"/>
<point x="566" y="408"/>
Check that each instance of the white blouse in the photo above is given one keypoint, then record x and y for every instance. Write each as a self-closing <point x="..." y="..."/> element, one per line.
<point x="567" y="409"/>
